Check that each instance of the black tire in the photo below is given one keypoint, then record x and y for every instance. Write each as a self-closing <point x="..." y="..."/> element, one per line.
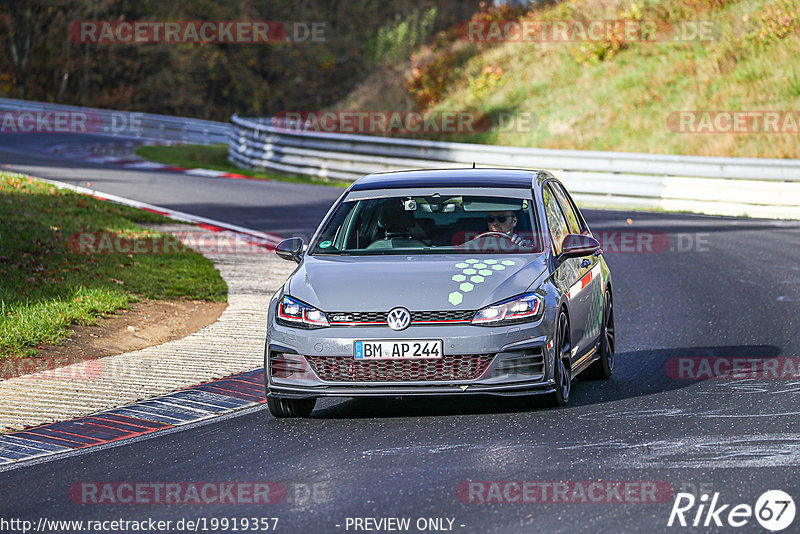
<point x="604" y="366"/>
<point x="562" y="372"/>
<point x="290" y="407"/>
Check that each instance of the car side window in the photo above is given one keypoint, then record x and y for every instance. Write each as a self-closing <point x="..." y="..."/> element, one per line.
<point x="573" y="220"/>
<point x="555" y="219"/>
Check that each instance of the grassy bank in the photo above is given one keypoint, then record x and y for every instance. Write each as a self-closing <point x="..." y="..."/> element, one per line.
<point x="215" y="157"/>
<point x="619" y="95"/>
<point x="49" y="284"/>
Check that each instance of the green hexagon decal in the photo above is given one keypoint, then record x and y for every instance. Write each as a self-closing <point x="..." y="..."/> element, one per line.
<point x="508" y="262"/>
<point x="476" y="271"/>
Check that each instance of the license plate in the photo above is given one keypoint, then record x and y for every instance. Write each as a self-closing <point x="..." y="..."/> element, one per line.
<point x="407" y="349"/>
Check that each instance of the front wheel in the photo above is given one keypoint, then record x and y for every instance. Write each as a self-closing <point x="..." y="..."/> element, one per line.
<point x="290" y="407"/>
<point x="561" y="372"/>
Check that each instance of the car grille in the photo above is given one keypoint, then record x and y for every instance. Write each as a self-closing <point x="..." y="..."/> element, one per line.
<point x="348" y="369"/>
<point x="417" y="317"/>
<point x="441" y="316"/>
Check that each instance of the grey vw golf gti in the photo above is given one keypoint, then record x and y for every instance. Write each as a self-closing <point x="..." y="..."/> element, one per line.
<point x="441" y="282"/>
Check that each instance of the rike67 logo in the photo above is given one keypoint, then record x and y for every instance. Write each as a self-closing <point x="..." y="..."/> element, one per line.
<point x="774" y="510"/>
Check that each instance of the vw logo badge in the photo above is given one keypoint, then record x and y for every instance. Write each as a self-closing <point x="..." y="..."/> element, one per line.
<point x="399" y="319"/>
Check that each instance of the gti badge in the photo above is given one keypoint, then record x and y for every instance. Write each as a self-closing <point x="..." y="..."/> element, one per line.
<point x="399" y="319"/>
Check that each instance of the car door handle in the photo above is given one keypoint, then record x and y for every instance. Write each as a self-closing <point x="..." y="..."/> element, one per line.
<point x="585" y="263"/>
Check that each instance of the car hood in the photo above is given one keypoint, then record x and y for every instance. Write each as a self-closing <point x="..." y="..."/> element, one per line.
<point x="425" y="283"/>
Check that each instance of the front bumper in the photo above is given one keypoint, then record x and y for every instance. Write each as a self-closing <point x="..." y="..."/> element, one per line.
<point x="514" y="351"/>
<point x="365" y="390"/>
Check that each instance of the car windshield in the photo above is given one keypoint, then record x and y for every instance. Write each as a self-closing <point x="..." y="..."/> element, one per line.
<point x="433" y="224"/>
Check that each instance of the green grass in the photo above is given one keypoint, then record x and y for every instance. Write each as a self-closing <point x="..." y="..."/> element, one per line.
<point x="48" y="284"/>
<point x="215" y="157"/>
<point x="623" y="103"/>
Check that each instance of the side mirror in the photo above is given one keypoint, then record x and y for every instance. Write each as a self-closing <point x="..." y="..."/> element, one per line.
<point x="290" y="249"/>
<point x="576" y="246"/>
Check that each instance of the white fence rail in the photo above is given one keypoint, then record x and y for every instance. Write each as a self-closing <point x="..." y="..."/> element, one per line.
<point x="24" y="116"/>
<point x="721" y="186"/>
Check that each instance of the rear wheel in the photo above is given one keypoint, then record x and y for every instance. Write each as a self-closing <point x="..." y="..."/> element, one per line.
<point x="561" y="371"/>
<point x="290" y="407"/>
<point x="603" y="367"/>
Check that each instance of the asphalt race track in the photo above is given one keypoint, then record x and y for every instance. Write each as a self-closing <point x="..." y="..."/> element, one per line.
<point x="284" y="208"/>
<point x="715" y="288"/>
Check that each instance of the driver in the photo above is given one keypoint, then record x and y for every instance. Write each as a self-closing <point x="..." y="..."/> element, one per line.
<point x="504" y="222"/>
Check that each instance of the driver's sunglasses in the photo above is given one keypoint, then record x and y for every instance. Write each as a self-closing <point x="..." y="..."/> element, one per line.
<point x="498" y="218"/>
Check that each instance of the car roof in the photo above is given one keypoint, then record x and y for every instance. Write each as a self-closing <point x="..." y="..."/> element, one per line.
<point x="467" y="177"/>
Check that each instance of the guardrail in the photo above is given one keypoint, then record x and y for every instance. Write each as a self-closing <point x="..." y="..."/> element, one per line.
<point x="128" y="124"/>
<point x="720" y="186"/>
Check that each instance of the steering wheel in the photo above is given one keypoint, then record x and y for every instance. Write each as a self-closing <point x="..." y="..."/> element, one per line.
<point x="499" y="234"/>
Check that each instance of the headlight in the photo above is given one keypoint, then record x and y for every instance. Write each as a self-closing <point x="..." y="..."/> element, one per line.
<point x="292" y="312"/>
<point x="514" y="310"/>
